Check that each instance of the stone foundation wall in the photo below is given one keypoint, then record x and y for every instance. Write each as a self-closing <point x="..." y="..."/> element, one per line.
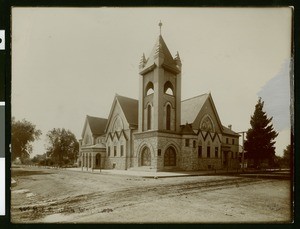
<point x="209" y="163"/>
<point x="115" y="163"/>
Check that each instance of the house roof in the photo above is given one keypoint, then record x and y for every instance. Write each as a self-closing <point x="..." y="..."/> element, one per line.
<point x="96" y="146"/>
<point x="191" y="107"/>
<point x="187" y="129"/>
<point x="130" y="108"/>
<point x="160" y="47"/>
<point x="96" y="124"/>
<point x="226" y="130"/>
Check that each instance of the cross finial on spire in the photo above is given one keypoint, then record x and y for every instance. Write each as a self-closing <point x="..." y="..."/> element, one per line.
<point x="160" y="25"/>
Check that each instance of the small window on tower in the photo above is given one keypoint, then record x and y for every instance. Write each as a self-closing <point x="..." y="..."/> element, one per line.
<point x="149" y="88"/>
<point x="169" y="91"/>
<point x="150" y="91"/>
<point x="168" y="117"/>
<point x="149" y="117"/>
<point x="168" y="88"/>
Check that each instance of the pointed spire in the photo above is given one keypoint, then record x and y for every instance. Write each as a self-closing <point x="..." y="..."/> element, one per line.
<point x="177" y="57"/>
<point x="178" y="60"/>
<point x="160" y="55"/>
<point x="142" y="61"/>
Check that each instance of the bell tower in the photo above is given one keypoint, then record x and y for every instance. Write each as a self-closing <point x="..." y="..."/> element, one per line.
<point x="160" y="89"/>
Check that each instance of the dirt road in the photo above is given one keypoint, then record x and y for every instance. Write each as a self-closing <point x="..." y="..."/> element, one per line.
<point x="51" y="195"/>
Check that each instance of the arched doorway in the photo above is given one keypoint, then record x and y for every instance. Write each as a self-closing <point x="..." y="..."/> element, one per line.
<point x="146" y="157"/>
<point x="170" y="157"/>
<point x="98" y="160"/>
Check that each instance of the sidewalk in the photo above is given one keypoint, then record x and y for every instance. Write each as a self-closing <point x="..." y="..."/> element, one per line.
<point x="152" y="174"/>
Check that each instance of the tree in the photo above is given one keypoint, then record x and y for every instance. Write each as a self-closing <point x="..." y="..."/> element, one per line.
<point x="287" y="156"/>
<point x="62" y="146"/>
<point x="23" y="134"/>
<point x="260" y="137"/>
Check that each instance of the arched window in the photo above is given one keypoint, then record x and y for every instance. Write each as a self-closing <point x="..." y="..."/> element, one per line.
<point x="199" y="149"/>
<point x="149" y="117"/>
<point x="170" y="157"/>
<point x="168" y="88"/>
<point x="149" y="88"/>
<point x="207" y="124"/>
<point x="168" y="117"/>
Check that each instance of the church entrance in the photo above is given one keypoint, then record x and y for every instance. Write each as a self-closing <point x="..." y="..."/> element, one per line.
<point x="170" y="157"/>
<point x="98" y="160"/>
<point x="146" y="157"/>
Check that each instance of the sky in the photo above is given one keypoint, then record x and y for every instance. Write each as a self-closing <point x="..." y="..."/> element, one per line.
<point x="70" y="62"/>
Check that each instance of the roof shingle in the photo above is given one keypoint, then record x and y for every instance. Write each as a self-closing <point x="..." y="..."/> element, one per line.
<point x="130" y="109"/>
<point x="96" y="124"/>
<point x="161" y="47"/>
<point x="190" y="108"/>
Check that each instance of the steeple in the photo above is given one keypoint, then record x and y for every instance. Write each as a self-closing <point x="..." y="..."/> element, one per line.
<point x="160" y="56"/>
<point x="142" y="62"/>
<point x="178" y="60"/>
<point x="160" y="89"/>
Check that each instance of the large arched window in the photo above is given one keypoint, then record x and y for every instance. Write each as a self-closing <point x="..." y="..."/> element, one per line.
<point x="170" y="157"/>
<point x="149" y="117"/>
<point x="168" y="88"/>
<point x="149" y="88"/>
<point x="168" y="117"/>
<point x="206" y="124"/>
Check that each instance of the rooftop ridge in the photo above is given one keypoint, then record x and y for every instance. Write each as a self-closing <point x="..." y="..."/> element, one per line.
<point x="117" y="95"/>
<point x="194" y="97"/>
<point x="96" y="117"/>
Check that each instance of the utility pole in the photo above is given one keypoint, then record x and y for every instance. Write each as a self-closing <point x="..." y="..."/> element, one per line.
<point x="243" y="140"/>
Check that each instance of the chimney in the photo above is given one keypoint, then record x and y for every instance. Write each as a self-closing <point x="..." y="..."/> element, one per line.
<point x="230" y="126"/>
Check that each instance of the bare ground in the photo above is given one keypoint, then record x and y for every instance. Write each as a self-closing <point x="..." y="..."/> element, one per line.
<point x="52" y="195"/>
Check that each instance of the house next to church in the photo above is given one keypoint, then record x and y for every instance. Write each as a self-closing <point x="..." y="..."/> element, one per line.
<point x="159" y="131"/>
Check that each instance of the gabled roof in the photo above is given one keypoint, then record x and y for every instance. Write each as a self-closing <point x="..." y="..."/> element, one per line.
<point x="96" y="124"/>
<point x="129" y="107"/>
<point x="226" y="130"/>
<point x="187" y="130"/>
<point x="160" y="47"/>
<point x="190" y="108"/>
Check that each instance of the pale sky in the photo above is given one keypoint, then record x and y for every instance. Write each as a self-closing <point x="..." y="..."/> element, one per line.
<point x="69" y="62"/>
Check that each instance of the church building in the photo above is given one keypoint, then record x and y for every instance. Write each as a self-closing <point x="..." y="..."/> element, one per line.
<point x="159" y="131"/>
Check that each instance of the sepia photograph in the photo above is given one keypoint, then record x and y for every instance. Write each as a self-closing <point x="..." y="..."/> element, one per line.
<point x="151" y="115"/>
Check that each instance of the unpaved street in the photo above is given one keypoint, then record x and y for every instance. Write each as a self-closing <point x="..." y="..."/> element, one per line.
<point x="52" y="195"/>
